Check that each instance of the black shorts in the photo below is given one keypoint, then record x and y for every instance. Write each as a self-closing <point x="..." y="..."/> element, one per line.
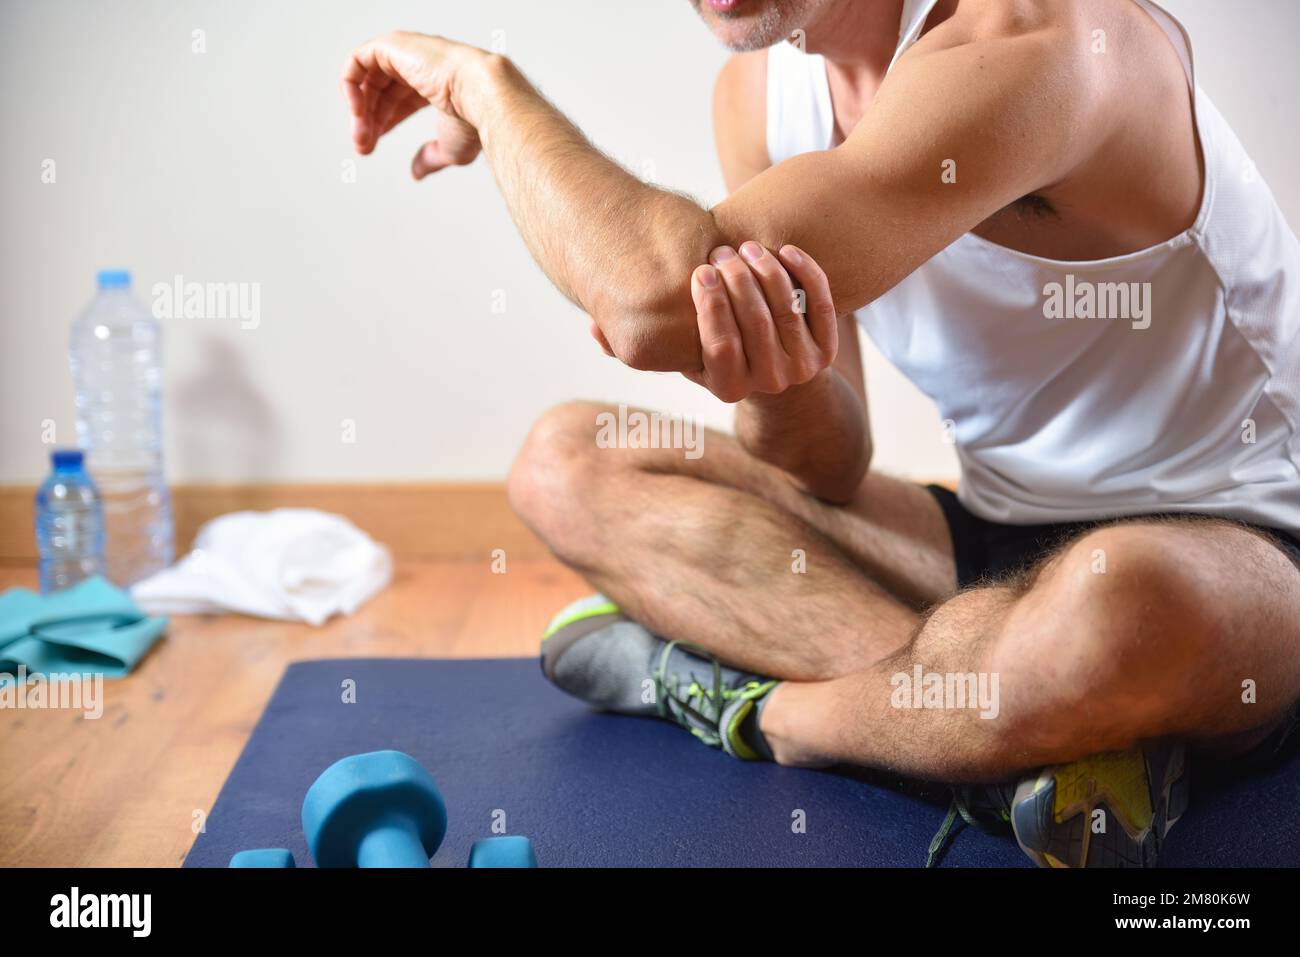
<point x="987" y="551"/>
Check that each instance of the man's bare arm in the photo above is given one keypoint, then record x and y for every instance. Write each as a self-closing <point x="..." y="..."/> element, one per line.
<point x="815" y="431"/>
<point x="622" y="249"/>
<point x="1013" y="113"/>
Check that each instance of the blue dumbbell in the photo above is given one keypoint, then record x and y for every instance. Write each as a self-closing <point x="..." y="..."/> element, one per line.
<point x="380" y="809"/>
<point x="263" y="857"/>
<point x="511" y="850"/>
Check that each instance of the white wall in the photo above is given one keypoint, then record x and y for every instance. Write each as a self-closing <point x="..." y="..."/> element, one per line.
<point x="225" y="166"/>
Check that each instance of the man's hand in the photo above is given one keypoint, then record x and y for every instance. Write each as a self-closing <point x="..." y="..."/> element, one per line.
<point x="772" y="348"/>
<point x="398" y="74"/>
<point x="757" y="333"/>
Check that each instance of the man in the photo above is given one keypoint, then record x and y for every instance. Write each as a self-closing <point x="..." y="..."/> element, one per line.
<point x="1054" y="234"/>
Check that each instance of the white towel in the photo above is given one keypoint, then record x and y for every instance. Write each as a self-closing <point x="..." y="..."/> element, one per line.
<point x="295" y="564"/>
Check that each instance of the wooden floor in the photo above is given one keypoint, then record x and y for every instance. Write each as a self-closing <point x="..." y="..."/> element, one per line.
<point x="123" y="790"/>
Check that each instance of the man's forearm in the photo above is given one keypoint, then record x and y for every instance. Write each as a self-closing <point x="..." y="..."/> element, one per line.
<point x="619" y="248"/>
<point x="816" y="432"/>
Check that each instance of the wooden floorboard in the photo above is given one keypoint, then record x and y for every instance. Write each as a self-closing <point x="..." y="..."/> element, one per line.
<point x="432" y="520"/>
<point x="123" y="790"/>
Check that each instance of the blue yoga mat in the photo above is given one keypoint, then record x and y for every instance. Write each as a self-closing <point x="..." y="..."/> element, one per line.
<point x="596" y="789"/>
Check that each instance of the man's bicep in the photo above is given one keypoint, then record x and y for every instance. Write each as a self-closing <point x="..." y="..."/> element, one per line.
<point x="952" y="137"/>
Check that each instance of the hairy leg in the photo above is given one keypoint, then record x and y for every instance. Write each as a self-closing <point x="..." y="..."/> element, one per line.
<point x="726" y="552"/>
<point x="1134" y="631"/>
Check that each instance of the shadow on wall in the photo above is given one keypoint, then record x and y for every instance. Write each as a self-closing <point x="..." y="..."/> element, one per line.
<point x="227" y="429"/>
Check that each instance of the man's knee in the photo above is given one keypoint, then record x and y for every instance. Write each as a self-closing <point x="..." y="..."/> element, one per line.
<point x="1113" y="638"/>
<point x="548" y="482"/>
<point x="1134" y="595"/>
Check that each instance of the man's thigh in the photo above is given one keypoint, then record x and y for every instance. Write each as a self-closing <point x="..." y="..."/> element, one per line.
<point x="893" y="530"/>
<point x="896" y="532"/>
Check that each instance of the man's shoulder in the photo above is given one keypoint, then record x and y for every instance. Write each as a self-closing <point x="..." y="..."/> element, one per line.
<point x="1045" y="51"/>
<point x="740" y="116"/>
<point x="1003" y="19"/>
<point x="1060" y="31"/>
<point x="742" y="79"/>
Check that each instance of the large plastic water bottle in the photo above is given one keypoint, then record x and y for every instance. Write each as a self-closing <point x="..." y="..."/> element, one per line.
<point x="69" y="524"/>
<point x="117" y="369"/>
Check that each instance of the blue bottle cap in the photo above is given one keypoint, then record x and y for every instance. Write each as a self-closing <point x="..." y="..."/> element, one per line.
<point x="113" y="279"/>
<point x="67" y="458"/>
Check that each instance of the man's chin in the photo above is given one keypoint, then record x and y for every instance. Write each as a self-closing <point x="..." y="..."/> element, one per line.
<point x="742" y="25"/>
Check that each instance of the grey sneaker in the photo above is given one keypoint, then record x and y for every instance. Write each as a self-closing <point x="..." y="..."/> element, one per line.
<point x="1107" y="810"/>
<point x="594" y="652"/>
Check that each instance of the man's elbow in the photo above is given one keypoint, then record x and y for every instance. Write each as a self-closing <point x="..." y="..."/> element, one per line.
<point x="653" y="331"/>
<point x="648" y="316"/>
<point x="839" y="483"/>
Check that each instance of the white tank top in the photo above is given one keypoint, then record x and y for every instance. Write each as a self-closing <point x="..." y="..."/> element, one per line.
<point x="1074" y="418"/>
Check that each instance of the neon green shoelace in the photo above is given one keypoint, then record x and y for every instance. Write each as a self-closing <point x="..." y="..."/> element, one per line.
<point x="695" y="702"/>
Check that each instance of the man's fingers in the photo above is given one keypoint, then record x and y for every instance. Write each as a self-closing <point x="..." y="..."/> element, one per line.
<point x="365" y="97"/>
<point x="428" y="159"/>
<point x="457" y="145"/>
<point x="763" y="353"/>
<point x="355" y="71"/>
<point x="363" y="77"/>
<point x="379" y="96"/>
<point x="399" y="102"/>
<point x="385" y="103"/>
<point x="786" y="315"/>
<point x="819" y="307"/>
<point x="721" y="345"/>
<point x="373" y="88"/>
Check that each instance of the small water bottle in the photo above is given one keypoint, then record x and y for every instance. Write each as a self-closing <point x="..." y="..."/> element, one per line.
<point x="69" y="524"/>
<point x="117" y="370"/>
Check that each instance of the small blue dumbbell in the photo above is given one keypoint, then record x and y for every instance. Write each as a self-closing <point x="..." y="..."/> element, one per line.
<point x="380" y="809"/>
<point x="263" y="857"/>
<point x="511" y="850"/>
